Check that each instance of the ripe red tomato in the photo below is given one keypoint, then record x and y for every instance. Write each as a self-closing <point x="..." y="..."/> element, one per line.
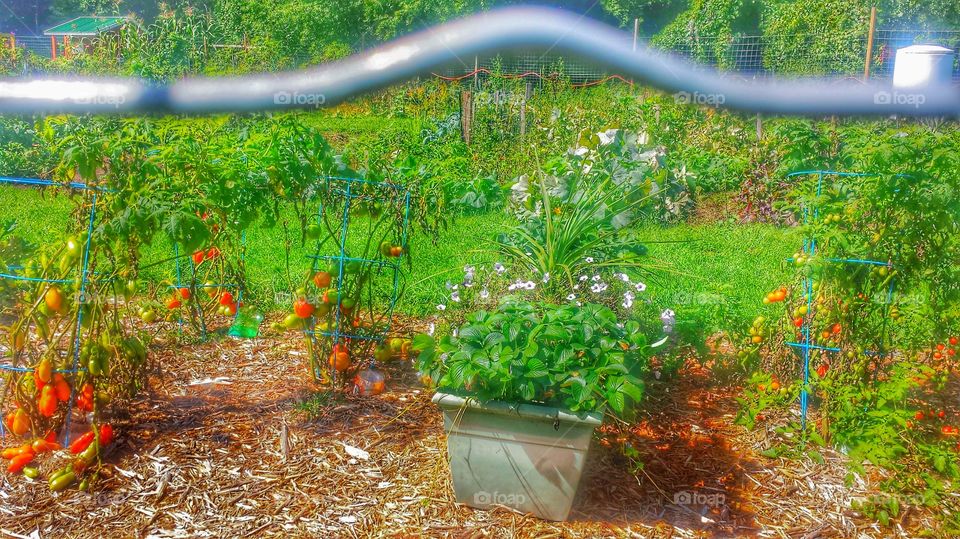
<point x="197" y="257"/>
<point x="212" y="253"/>
<point x="173" y="303"/>
<point x="302" y="308"/>
<point x="954" y="341"/>
<point x="185" y="293"/>
<point x="226" y="299"/>
<point x="822" y="370"/>
<point x="918" y="416"/>
<point x="836" y="329"/>
<point x="940" y="347"/>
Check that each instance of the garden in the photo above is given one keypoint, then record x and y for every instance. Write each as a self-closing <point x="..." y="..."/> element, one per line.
<point x="589" y="311"/>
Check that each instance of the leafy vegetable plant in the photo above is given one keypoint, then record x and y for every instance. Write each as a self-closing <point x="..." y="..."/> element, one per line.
<point x="579" y="358"/>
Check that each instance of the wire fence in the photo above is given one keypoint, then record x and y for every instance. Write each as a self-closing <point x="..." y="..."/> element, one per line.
<point x="748" y="56"/>
<point x="745" y="55"/>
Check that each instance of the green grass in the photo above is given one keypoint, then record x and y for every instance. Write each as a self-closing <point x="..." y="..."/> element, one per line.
<point x="719" y="273"/>
<point x="715" y="275"/>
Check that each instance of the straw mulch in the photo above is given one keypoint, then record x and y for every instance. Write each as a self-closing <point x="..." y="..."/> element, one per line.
<point x="219" y="446"/>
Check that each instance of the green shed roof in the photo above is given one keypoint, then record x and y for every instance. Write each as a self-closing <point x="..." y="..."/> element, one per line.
<point x="85" y="26"/>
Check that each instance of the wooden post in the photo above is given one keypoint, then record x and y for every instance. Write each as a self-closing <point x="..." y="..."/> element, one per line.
<point x="523" y="109"/>
<point x="53" y="47"/>
<point x="66" y="46"/>
<point x="869" y="59"/>
<point x="466" y="115"/>
<point x="759" y="127"/>
<point x="13" y="42"/>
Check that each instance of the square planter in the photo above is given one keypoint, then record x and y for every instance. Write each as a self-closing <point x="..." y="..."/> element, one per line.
<point x="525" y="456"/>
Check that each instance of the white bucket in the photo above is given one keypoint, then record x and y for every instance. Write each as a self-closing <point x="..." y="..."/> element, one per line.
<point x="918" y="66"/>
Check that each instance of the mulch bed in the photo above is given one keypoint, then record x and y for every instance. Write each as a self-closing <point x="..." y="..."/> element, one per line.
<point x="219" y="446"/>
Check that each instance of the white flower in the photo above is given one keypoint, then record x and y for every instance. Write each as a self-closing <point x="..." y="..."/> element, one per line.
<point x="546" y="277"/>
<point x="449" y="285"/>
<point x="595" y="278"/>
<point x="441" y="307"/>
<point x="571" y="297"/>
<point x="529" y="285"/>
<point x="624" y="277"/>
<point x="432" y="329"/>
<point x="499" y="268"/>
<point x="469" y="270"/>
<point x="484" y="294"/>
<point x="583" y="278"/>
<point x="455" y="297"/>
<point x="456" y="332"/>
<point x="588" y="260"/>
<point x="640" y="287"/>
<point x="669" y="319"/>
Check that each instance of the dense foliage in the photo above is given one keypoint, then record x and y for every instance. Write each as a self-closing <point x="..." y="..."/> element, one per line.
<point x="579" y="358"/>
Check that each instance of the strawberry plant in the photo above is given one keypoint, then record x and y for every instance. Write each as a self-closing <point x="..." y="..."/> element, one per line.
<point x="578" y="358"/>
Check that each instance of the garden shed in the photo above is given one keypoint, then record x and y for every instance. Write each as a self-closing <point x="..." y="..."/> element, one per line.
<point x="82" y="29"/>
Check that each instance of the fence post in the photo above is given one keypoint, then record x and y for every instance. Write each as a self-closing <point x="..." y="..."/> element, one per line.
<point x="523" y="109"/>
<point x="53" y="47"/>
<point x="869" y="59"/>
<point x="759" y="127"/>
<point x="466" y="115"/>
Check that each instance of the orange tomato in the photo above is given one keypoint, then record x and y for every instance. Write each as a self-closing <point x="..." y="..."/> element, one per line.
<point x="45" y="370"/>
<point x="62" y="388"/>
<point x="47" y="404"/>
<point x="339" y="358"/>
<point x="303" y="309"/>
<point x="20" y="423"/>
<point x="54" y="299"/>
<point x="322" y="279"/>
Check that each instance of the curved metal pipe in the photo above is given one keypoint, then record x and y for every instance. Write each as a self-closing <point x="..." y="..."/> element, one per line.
<point x="419" y="53"/>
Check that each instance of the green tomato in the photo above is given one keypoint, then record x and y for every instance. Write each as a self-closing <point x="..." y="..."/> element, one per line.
<point x="314" y="231"/>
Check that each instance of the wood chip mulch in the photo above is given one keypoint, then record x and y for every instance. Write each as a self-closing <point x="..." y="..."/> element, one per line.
<point x="219" y="446"/>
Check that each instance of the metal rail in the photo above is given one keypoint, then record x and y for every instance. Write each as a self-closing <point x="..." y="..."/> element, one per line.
<point x="510" y="28"/>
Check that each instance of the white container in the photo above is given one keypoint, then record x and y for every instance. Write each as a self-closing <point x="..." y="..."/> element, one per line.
<point x="919" y="66"/>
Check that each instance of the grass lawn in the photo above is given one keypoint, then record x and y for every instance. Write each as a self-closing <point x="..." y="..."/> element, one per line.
<point x="715" y="274"/>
